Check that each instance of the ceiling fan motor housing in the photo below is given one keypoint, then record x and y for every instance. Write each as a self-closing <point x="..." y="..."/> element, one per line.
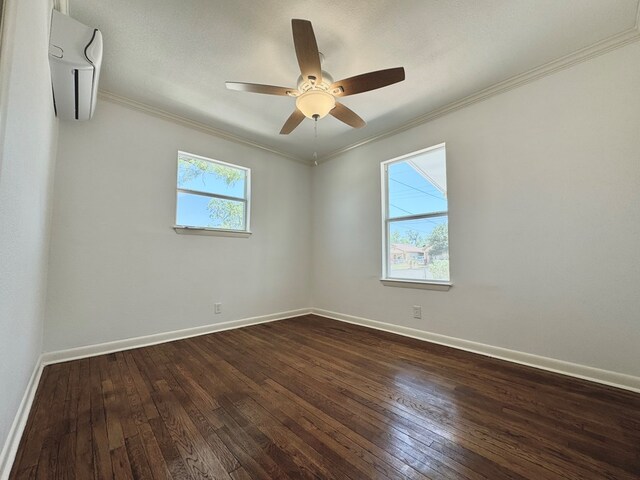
<point x="306" y="84"/>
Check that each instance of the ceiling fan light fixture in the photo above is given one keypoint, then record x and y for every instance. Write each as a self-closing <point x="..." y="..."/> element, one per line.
<point x="316" y="91"/>
<point x="315" y="102"/>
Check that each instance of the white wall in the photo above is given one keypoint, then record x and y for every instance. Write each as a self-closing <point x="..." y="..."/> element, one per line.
<point x="544" y="192"/>
<point x="27" y="151"/>
<point x="118" y="269"/>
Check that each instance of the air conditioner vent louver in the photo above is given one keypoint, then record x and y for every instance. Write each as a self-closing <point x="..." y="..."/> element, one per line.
<point x="75" y="57"/>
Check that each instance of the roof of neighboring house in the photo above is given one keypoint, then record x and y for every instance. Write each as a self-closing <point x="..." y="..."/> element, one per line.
<point x="406" y="248"/>
<point x="431" y="165"/>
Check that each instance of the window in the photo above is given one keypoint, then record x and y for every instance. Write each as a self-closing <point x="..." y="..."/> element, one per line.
<point x="416" y="236"/>
<point x="212" y="195"/>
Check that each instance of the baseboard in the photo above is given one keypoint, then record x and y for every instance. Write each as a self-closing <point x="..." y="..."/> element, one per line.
<point x="12" y="442"/>
<point x="147" y="340"/>
<point x="7" y="456"/>
<point x="606" y="377"/>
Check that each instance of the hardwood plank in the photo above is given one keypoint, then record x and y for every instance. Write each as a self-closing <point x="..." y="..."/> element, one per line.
<point x="199" y="459"/>
<point x="48" y="460"/>
<point x="112" y="410"/>
<point x="142" y="385"/>
<point x="176" y="465"/>
<point x="137" y="457"/>
<point x="65" y="469"/>
<point x="133" y="400"/>
<point x="250" y="455"/>
<point x="128" y="417"/>
<point x="315" y="398"/>
<point x="120" y="463"/>
<point x="84" y="438"/>
<point x="204" y="415"/>
<point x="154" y="455"/>
<point x="102" y="469"/>
<point x="240" y="474"/>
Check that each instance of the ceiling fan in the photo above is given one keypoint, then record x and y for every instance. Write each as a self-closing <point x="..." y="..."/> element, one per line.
<point x="316" y="92"/>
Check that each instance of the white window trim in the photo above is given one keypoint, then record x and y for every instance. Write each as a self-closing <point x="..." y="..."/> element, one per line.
<point x="419" y="284"/>
<point x="223" y="232"/>
<point x="384" y="195"/>
<point x="215" y="232"/>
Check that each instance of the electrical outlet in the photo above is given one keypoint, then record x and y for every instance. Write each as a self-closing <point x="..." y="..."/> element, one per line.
<point x="217" y="308"/>
<point x="417" y="311"/>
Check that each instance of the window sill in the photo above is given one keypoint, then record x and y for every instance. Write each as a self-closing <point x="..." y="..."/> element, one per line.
<point x="210" y="231"/>
<point x="442" y="286"/>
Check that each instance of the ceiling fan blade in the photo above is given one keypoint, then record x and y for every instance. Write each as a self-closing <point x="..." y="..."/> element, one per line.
<point x="347" y="116"/>
<point x="257" y="88"/>
<point x="306" y="47"/>
<point x="368" y="81"/>
<point x="292" y="122"/>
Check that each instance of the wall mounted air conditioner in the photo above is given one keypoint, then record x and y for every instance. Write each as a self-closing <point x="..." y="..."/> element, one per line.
<point x="75" y="56"/>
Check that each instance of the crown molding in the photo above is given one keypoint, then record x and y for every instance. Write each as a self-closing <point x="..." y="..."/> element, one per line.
<point x="609" y="44"/>
<point x="201" y="127"/>
<point x="614" y="42"/>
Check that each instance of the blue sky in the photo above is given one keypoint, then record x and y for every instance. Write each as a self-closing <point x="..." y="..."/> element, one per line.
<point x="411" y="194"/>
<point x="192" y="209"/>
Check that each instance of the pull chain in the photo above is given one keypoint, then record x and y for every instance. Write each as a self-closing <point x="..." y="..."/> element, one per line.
<point x="315" y="140"/>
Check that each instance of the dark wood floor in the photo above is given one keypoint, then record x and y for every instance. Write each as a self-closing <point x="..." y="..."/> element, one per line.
<point x="316" y="398"/>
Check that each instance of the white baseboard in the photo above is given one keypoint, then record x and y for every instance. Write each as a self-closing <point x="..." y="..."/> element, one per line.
<point x="145" y="341"/>
<point x="12" y="442"/>
<point x="7" y="456"/>
<point x="606" y="377"/>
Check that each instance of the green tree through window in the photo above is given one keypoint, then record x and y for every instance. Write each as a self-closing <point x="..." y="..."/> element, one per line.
<point x="211" y="194"/>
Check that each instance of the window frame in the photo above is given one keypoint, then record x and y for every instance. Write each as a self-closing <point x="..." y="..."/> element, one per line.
<point x="387" y="221"/>
<point x="202" y="230"/>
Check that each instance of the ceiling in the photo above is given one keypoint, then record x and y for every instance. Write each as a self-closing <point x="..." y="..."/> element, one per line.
<point x="175" y="55"/>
